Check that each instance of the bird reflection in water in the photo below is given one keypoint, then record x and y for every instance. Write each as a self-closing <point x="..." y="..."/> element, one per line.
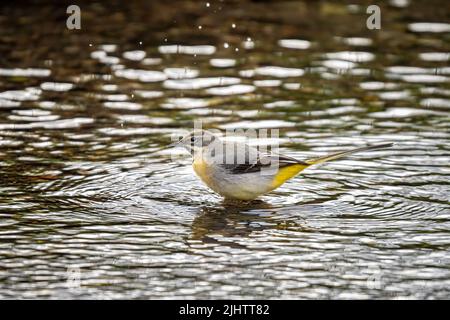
<point x="237" y="220"/>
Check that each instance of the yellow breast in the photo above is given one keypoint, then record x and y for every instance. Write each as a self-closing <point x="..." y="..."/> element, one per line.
<point x="201" y="168"/>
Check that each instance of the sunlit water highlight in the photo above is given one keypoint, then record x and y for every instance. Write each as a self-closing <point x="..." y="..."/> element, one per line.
<point x="84" y="189"/>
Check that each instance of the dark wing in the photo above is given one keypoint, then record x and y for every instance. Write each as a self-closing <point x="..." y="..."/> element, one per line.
<point x="262" y="162"/>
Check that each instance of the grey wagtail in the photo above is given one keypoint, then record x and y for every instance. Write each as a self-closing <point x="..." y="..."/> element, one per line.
<point x="238" y="171"/>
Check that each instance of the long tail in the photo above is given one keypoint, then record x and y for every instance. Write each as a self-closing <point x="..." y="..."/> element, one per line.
<point x="346" y="153"/>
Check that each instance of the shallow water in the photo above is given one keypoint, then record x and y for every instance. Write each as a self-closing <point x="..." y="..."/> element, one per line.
<point x="90" y="209"/>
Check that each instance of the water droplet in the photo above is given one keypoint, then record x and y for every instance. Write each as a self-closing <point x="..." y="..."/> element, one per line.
<point x="226" y="45"/>
<point x="233" y="25"/>
<point x="207" y="4"/>
<point x="248" y="43"/>
<point x="200" y="27"/>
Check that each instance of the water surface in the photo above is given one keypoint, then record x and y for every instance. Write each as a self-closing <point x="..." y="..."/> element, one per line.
<point x="90" y="209"/>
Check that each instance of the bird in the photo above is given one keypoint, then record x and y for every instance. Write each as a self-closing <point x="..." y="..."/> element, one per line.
<point x="237" y="171"/>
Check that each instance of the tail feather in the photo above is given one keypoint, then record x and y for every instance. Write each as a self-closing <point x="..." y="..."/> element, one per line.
<point x="346" y="153"/>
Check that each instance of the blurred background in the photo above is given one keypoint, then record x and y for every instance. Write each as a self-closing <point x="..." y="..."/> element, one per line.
<point x="90" y="209"/>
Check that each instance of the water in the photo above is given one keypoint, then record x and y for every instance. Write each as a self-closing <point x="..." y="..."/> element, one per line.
<point x="90" y="209"/>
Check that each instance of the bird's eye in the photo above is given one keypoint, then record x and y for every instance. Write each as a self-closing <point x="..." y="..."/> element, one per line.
<point x="192" y="139"/>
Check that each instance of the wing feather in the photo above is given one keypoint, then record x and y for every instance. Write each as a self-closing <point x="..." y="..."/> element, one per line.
<point x="262" y="162"/>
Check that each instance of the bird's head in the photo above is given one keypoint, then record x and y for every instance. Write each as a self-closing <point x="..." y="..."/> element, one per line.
<point x="197" y="140"/>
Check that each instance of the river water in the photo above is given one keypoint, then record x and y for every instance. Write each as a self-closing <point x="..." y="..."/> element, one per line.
<point x="91" y="208"/>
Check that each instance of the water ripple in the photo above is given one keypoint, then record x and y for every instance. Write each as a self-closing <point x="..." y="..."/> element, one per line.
<point x="87" y="185"/>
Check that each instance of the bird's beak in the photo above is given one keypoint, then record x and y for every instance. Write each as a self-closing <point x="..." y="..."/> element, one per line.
<point x="173" y="145"/>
